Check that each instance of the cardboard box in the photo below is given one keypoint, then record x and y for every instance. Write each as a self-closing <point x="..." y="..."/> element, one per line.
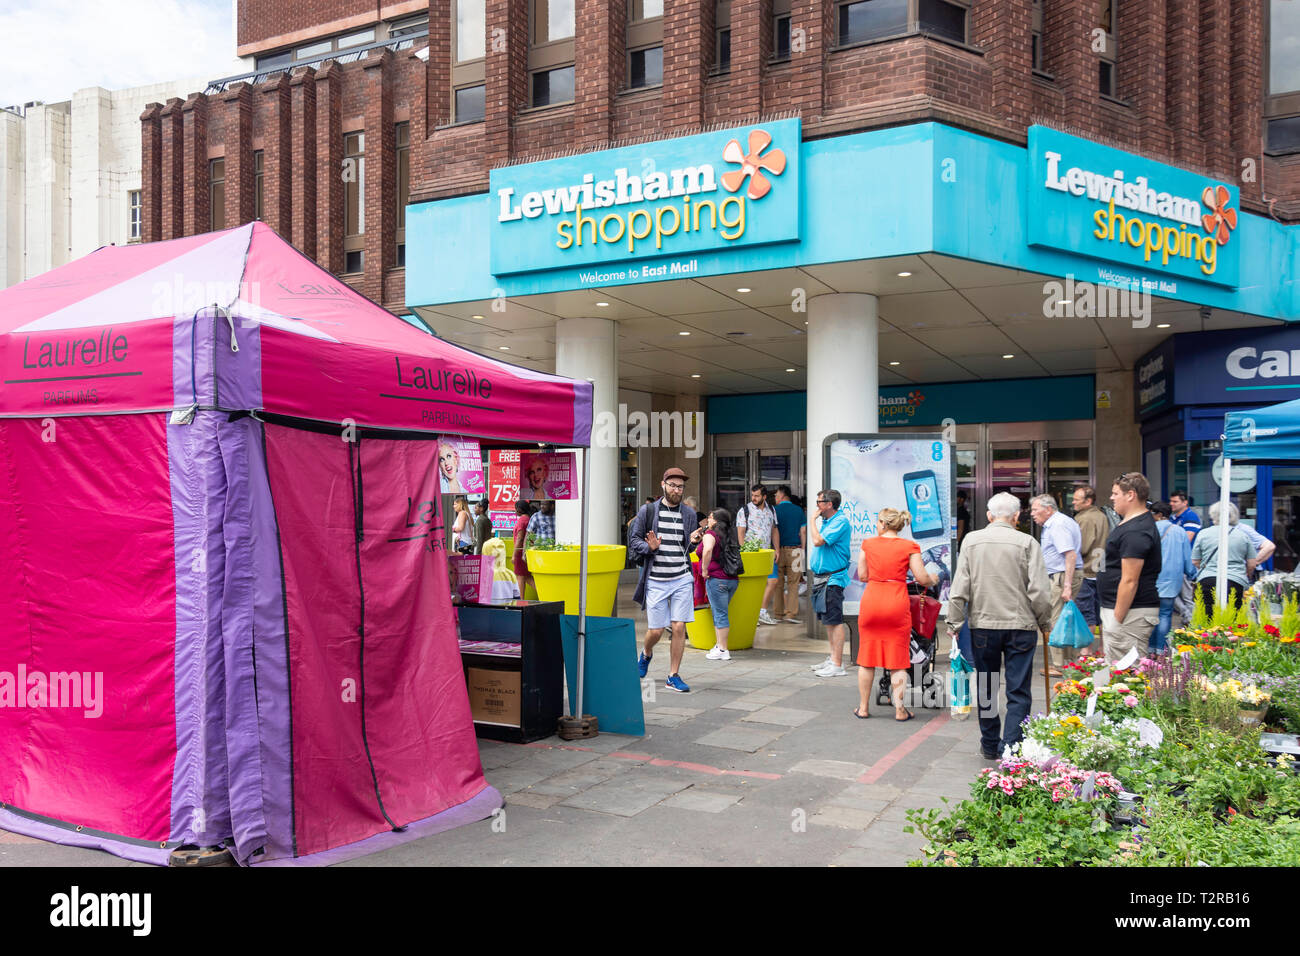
<point x="494" y="695"/>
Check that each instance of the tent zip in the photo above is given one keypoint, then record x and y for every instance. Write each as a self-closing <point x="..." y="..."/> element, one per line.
<point x="354" y="470"/>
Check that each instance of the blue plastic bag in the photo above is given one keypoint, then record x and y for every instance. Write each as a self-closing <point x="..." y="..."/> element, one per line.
<point x="959" y="685"/>
<point x="1071" y="629"/>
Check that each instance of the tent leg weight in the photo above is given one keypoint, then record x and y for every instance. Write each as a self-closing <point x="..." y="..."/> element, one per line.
<point x="201" y="856"/>
<point x="578" y="728"/>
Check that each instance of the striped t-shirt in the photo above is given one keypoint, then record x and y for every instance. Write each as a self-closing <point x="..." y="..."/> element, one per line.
<point x="670" y="559"/>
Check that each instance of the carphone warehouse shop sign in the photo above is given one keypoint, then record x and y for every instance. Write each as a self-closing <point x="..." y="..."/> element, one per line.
<point x="664" y="200"/>
<point x="1108" y="204"/>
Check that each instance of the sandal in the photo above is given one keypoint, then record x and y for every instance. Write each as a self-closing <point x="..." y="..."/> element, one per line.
<point x="861" y="716"/>
<point x="903" y="720"/>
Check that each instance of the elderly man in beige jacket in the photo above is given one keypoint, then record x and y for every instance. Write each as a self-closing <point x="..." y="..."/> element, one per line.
<point x="1001" y="589"/>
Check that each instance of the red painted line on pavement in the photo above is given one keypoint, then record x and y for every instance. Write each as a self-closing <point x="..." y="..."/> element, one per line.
<point x="661" y="762"/>
<point x="752" y="773"/>
<point x="883" y="765"/>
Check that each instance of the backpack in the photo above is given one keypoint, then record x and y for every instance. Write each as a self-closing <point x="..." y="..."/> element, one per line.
<point x="732" y="566"/>
<point x="1112" y="516"/>
<point x="643" y="517"/>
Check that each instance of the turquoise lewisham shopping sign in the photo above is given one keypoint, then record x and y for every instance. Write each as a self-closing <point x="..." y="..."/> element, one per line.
<point x="1104" y="203"/>
<point x="671" y="198"/>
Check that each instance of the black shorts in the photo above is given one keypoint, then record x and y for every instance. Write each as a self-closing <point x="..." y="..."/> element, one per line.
<point x="834" y="606"/>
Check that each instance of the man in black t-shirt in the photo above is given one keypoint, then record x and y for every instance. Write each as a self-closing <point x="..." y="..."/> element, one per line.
<point x="1126" y="589"/>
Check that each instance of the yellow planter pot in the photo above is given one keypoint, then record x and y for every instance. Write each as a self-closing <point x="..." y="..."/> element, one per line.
<point x="555" y="575"/>
<point x="743" y="609"/>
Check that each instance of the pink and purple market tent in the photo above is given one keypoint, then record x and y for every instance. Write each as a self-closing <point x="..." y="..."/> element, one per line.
<point x="226" y="610"/>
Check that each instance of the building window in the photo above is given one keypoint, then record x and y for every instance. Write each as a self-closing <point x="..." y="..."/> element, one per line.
<point x="1282" y="99"/>
<point x="645" y="43"/>
<point x="552" y="21"/>
<point x="470" y="104"/>
<point x="354" y="201"/>
<point x="217" y="193"/>
<point x="871" y="20"/>
<point x="1036" y="37"/>
<point x="471" y="30"/>
<point x="1106" y="74"/>
<point x="468" y="61"/>
<point x="136" y="212"/>
<point x="551" y="53"/>
<point x="409" y="25"/>
<point x="403" y="149"/>
<point x="780" y="29"/>
<point x="313" y="49"/>
<point x="257" y="184"/>
<point x="553" y="86"/>
<point x="360" y="38"/>
<point x="722" y="36"/>
<point x="645" y="67"/>
<point x="273" y="60"/>
<point x="863" y="20"/>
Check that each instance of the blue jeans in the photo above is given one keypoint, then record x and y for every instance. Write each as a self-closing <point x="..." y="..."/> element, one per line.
<point x="1163" y="625"/>
<point x="995" y="651"/>
<point x="720" y="593"/>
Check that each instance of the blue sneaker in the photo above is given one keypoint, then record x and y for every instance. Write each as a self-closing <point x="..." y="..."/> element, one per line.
<point x="674" y="682"/>
<point x="642" y="665"/>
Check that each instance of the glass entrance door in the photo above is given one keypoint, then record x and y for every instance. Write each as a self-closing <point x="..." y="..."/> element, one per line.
<point x="1014" y="470"/>
<point x="743" y="460"/>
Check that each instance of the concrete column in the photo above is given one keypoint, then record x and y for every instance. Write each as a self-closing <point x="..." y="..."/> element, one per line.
<point x="588" y="349"/>
<point x="843" y="375"/>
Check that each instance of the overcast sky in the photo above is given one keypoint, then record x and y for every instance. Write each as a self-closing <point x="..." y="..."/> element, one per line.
<point x="54" y="47"/>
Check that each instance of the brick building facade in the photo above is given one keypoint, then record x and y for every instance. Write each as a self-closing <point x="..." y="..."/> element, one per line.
<point x="1189" y="80"/>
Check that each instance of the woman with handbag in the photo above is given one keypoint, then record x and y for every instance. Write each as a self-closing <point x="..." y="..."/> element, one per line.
<point x="885" y="611"/>
<point x="719" y="553"/>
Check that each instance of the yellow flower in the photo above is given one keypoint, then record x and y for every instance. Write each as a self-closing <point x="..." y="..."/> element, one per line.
<point x="1184" y="648"/>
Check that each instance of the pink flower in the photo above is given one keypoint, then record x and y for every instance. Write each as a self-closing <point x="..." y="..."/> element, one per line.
<point x="1131" y="700"/>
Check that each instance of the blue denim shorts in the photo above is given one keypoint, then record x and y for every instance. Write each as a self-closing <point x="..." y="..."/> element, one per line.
<point x="720" y="593"/>
<point x="669" y="601"/>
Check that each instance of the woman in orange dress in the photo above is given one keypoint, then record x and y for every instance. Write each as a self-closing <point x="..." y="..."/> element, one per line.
<point x="885" y="612"/>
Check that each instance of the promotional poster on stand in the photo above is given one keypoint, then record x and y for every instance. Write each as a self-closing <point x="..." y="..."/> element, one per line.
<point x="912" y="473"/>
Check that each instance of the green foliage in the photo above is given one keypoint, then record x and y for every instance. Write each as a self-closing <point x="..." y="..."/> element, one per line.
<point x="1242" y="620"/>
<point x="1177" y="835"/>
<point x="1224" y="617"/>
<point x="1290" y="624"/>
<point x="750" y="545"/>
<point x="536" y="543"/>
<point x="1200" y="613"/>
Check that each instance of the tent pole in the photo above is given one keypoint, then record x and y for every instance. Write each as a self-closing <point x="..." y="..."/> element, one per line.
<point x="1221" y="575"/>
<point x="582" y="579"/>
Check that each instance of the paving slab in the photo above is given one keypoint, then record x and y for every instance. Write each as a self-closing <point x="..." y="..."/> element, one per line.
<point x="849" y="818"/>
<point x="839" y="769"/>
<point x="784" y="716"/>
<point x="739" y="737"/>
<point x="702" y="800"/>
<point x="625" y="797"/>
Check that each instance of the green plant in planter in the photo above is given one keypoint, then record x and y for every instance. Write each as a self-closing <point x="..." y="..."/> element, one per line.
<point x="536" y="543"/>
<point x="751" y="545"/>
<point x="1177" y="835"/>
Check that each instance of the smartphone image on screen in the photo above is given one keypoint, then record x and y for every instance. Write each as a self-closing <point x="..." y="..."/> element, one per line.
<point x="922" y="491"/>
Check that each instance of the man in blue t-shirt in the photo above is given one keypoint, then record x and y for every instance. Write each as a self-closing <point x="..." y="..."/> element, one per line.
<point x="792" y="526"/>
<point x="1183" y="515"/>
<point x="830" y="538"/>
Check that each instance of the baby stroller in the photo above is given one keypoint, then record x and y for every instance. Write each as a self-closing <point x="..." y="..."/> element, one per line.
<point x="924" y="644"/>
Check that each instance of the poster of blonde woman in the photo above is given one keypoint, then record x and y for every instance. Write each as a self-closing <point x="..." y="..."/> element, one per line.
<point x="547" y="476"/>
<point x="460" y="466"/>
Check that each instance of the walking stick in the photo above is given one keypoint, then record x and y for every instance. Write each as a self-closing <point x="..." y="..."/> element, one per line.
<point x="1047" y="681"/>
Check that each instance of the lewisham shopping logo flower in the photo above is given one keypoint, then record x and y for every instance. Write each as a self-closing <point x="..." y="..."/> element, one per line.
<point x="1221" y="219"/>
<point x="752" y="164"/>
